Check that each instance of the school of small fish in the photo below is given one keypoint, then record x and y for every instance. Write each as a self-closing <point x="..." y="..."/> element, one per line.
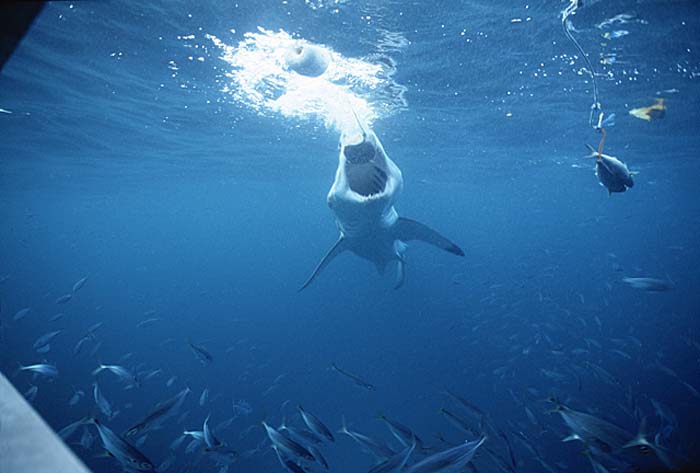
<point x="643" y="434"/>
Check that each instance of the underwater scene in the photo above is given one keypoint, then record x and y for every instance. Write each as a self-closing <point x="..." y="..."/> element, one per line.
<point x="356" y="236"/>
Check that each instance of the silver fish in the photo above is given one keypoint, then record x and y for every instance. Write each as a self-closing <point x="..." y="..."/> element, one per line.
<point x="122" y="373"/>
<point x="46" y="339"/>
<point x="286" y="462"/>
<point x="79" y="346"/>
<point x="79" y="284"/>
<point x="64" y="298"/>
<point x="374" y="447"/>
<point x="356" y="379"/>
<point x="591" y="429"/>
<point x="68" y="430"/>
<point x="315" y="424"/>
<point x="649" y="284"/>
<point x="210" y="439"/>
<point x="612" y="173"/>
<point x="43" y="369"/>
<point x="402" y="433"/>
<point x="22" y="313"/>
<point x="201" y="353"/>
<point x="31" y="393"/>
<point x="102" y="402"/>
<point x="76" y="397"/>
<point x="122" y="451"/>
<point x="287" y="444"/>
<point x="396" y="463"/>
<point x="161" y="412"/>
<point x="453" y="459"/>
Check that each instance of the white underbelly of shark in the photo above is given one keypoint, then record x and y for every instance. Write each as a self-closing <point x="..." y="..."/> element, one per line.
<point x="362" y="197"/>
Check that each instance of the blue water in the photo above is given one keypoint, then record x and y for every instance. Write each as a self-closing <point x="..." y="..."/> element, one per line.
<point x="127" y="159"/>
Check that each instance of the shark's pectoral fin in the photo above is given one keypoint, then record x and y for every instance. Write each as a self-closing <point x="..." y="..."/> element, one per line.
<point x="406" y="229"/>
<point x="335" y="250"/>
<point x="400" y="273"/>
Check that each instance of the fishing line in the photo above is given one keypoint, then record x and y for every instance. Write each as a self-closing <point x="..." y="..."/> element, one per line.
<point x="568" y="11"/>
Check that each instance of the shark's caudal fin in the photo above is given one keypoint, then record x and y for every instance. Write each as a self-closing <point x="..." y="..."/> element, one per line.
<point x="335" y="250"/>
<point x="406" y="230"/>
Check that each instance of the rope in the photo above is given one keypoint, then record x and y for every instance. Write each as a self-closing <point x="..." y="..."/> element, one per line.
<point x="570" y="10"/>
<point x="600" y="145"/>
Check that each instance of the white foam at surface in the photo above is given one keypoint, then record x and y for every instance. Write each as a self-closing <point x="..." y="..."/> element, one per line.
<point x="260" y="79"/>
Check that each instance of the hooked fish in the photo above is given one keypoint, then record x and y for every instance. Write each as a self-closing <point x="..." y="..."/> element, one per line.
<point x="612" y="173"/>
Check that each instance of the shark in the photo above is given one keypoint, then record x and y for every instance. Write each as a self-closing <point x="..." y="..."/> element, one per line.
<point x="367" y="185"/>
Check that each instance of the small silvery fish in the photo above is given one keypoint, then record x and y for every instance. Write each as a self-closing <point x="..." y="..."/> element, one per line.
<point x="161" y="412"/>
<point x="64" y="298"/>
<point x="22" y="313"/>
<point x="402" y="433"/>
<point x="102" y="402"/>
<point x="286" y="444"/>
<point x="68" y="430"/>
<point x="195" y="434"/>
<point x="204" y="397"/>
<point x="79" y="284"/>
<point x="145" y="323"/>
<point x="76" y="397"/>
<point x="31" y="393"/>
<point x="46" y="339"/>
<point x="201" y="353"/>
<point x="43" y="369"/>
<point x="376" y="448"/>
<point x="44" y="349"/>
<point x="648" y="284"/>
<point x="129" y="457"/>
<point x="79" y="346"/>
<point x="396" y="463"/>
<point x="315" y="424"/>
<point x="122" y="373"/>
<point x="210" y="439"/>
<point x="287" y="463"/>
<point x="453" y="459"/>
<point x="356" y="379"/>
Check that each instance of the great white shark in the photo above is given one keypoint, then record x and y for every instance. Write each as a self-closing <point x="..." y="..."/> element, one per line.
<point x="362" y="197"/>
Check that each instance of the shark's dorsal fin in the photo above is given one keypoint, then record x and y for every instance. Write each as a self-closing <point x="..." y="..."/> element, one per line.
<point x="335" y="250"/>
<point x="406" y="229"/>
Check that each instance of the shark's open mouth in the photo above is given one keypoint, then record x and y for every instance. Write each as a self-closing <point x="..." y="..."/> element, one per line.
<point x="365" y="176"/>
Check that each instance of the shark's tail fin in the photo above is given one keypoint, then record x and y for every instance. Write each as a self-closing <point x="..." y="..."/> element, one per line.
<point x="407" y="230"/>
<point x="335" y="250"/>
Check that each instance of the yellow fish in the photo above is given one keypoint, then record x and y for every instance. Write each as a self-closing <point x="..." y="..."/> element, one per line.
<point x="652" y="112"/>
